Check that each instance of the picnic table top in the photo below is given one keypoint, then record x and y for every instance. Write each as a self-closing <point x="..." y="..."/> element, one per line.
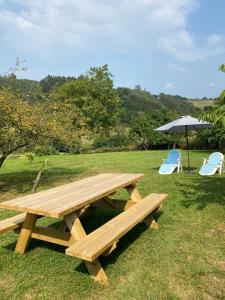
<point x="63" y="200"/>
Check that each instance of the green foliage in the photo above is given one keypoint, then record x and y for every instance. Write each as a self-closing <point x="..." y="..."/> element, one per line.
<point x="23" y="124"/>
<point x="30" y="156"/>
<point x="162" y="108"/>
<point x="41" y="150"/>
<point x="29" y="89"/>
<point x="50" y="82"/>
<point x="92" y="100"/>
<point x="213" y="138"/>
<point x="222" y="68"/>
<point x="177" y="104"/>
<point x="217" y="115"/>
<point x="119" y="138"/>
<point x="142" y="131"/>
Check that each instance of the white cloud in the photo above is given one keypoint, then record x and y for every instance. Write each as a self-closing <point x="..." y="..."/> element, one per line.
<point x="211" y="84"/>
<point x="183" y="46"/>
<point x="45" y="27"/>
<point x="170" y="86"/>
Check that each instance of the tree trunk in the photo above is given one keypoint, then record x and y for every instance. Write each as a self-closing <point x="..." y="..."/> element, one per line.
<point x="2" y="159"/>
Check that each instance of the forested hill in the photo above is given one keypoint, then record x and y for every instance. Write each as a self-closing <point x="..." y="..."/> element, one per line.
<point x="132" y="100"/>
<point x="135" y="100"/>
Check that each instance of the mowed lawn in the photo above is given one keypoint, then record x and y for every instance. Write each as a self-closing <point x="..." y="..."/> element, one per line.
<point x="183" y="259"/>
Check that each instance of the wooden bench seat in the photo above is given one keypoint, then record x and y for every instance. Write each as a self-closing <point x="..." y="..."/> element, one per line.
<point x="96" y="243"/>
<point x="12" y="223"/>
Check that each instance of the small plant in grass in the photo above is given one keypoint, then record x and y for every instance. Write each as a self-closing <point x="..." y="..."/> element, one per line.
<point x="38" y="178"/>
<point x="30" y="156"/>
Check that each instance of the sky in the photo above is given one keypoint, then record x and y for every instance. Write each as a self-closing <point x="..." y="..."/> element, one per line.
<point x="169" y="46"/>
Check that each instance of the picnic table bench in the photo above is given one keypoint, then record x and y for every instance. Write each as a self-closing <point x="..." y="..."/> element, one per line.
<point x="70" y="201"/>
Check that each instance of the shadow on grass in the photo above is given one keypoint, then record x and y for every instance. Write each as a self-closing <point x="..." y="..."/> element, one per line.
<point x="91" y="224"/>
<point x="202" y="191"/>
<point x="123" y="243"/>
<point x="22" y="182"/>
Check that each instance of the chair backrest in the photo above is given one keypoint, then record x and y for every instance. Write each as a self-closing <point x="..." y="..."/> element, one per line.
<point x="215" y="158"/>
<point x="173" y="157"/>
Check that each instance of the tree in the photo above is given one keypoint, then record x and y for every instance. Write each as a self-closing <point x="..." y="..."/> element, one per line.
<point x="142" y="131"/>
<point x="50" y="82"/>
<point x="217" y="115"/>
<point x="23" y="124"/>
<point x="93" y="102"/>
<point x="18" y="66"/>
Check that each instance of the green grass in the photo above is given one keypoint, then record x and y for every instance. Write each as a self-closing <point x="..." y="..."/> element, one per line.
<point x="202" y="103"/>
<point x="184" y="259"/>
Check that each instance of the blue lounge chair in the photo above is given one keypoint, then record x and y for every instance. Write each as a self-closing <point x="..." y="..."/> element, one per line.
<point x="212" y="165"/>
<point x="172" y="162"/>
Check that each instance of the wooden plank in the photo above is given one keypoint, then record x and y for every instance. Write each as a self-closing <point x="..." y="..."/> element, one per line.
<point x="63" y="201"/>
<point x="91" y="194"/>
<point x="133" y="193"/>
<point x="12" y="223"/>
<point x="26" y="231"/>
<point x="94" y="244"/>
<point x="52" y="194"/>
<point x="77" y="232"/>
<point x="52" y="235"/>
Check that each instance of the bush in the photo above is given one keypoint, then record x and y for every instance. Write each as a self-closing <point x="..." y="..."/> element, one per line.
<point x="30" y="156"/>
<point x="45" y="150"/>
<point x="117" y="140"/>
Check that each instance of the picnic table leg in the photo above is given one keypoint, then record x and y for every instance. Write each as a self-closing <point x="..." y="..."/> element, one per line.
<point x="133" y="193"/>
<point x="135" y="196"/>
<point x="150" y="222"/>
<point x="25" y="233"/>
<point x="77" y="232"/>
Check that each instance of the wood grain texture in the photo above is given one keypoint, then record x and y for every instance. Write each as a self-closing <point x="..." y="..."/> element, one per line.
<point x="97" y="242"/>
<point x="61" y="201"/>
<point x="78" y="233"/>
<point x="25" y="234"/>
<point x="12" y="223"/>
<point x="52" y="235"/>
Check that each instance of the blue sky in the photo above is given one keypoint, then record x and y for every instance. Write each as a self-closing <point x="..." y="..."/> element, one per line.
<point x="170" y="46"/>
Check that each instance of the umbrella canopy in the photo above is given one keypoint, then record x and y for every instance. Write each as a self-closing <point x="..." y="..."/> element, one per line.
<point x="183" y="124"/>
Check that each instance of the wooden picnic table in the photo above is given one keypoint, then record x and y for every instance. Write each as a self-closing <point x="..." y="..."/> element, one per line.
<point x="70" y="201"/>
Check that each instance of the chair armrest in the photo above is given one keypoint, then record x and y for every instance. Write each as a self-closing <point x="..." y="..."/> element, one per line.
<point x="204" y="161"/>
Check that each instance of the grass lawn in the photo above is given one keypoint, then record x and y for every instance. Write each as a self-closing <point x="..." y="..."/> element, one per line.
<point x="184" y="259"/>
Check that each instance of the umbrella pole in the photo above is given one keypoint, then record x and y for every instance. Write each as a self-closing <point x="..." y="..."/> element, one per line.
<point x="189" y="167"/>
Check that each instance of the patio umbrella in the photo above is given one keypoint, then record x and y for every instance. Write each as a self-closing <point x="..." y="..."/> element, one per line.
<point x="183" y="125"/>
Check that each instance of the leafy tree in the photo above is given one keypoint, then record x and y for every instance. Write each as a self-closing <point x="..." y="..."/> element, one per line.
<point x="94" y="105"/>
<point x="118" y="138"/>
<point x="212" y="138"/>
<point x="23" y="124"/>
<point x="142" y="131"/>
<point x="50" y="82"/>
<point x="217" y="115"/>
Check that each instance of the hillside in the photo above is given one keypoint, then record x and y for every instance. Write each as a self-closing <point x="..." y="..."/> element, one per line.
<point x="134" y="101"/>
<point x="203" y="104"/>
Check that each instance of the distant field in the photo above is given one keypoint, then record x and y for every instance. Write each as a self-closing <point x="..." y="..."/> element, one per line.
<point x="202" y="103"/>
<point x="183" y="259"/>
